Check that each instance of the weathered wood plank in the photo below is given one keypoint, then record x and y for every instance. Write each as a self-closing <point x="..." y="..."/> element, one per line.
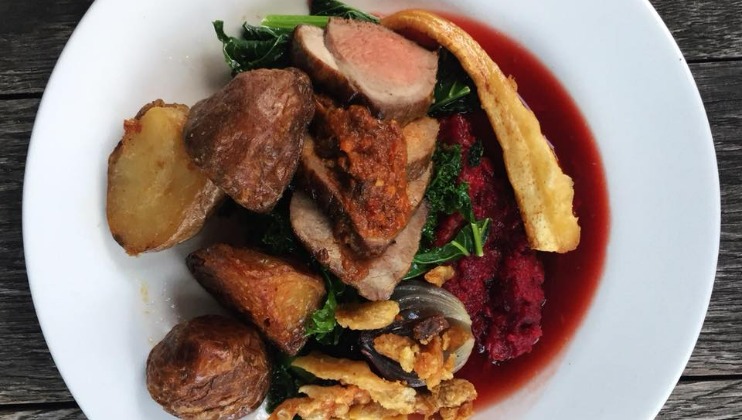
<point x="32" y="34"/>
<point x="41" y="414"/>
<point x="704" y="29"/>
<point x="27" y="372"/>
<point x="718" y="351"/>
<point x="709" y="400"/>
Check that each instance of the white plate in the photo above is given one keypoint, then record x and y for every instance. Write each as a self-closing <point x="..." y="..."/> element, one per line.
<point x="101" y="311"/>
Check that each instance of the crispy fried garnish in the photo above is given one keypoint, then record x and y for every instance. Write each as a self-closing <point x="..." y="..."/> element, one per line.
<point x="465" y="411"/>
<point x="440" y="275"/>
<point x="367" y="315"/>
<point x="544" y="193"/>
<point x="452" y="399"/>
<point x="373" y="411"/>
<point x="427" y="361"/>
<point x="455" y="336"/>
<point x="321" y="403"/>
<point x="454" y="392"/>
<point x="363" y="395"/>
<point x="432" y="366"/>
<point x="402" y="350"/>
<point x="390" y="395"/>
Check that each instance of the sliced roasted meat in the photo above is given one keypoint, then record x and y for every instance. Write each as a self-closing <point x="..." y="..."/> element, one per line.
<point x="356" y="170"/>
<point x="370" y="64"/>
<point x="420" y="137"/>
<point x="374" y="278"/>
<point x="395" y="75"/>
<point x="309" y="53"/>
<point x="248" y="136"/>
<point x="274" y="294"/>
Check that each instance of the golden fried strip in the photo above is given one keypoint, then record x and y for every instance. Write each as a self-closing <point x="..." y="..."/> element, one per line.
<point x="321" y="402"/>
<point x="367" y="315"/>
<point x="544" y="193"/>
<point x="390" y="395"/>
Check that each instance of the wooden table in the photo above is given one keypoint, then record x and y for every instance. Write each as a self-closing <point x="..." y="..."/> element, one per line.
<point x="32" y="34"/>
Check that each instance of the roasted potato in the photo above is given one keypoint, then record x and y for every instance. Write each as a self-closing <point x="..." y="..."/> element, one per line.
<point x="210" y="367"/>
<point x="247" y="136"/>
<point x="156" y="196"/>
<point x="276" y="295"/>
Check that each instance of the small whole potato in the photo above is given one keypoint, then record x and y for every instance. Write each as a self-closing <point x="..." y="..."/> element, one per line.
<point x="211" y="367"/>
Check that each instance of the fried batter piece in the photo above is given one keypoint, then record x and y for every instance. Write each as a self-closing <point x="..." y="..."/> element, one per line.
<point x="390" y="395"/>
<point x="428" y="361"/>
<point x="322" y="403"/>
<point x="367" y="315"/>
<point x="544" y="193"/>
<point x="440" y="275"/>
<point x="362" y="394"/>
<point x="401" y="349"/>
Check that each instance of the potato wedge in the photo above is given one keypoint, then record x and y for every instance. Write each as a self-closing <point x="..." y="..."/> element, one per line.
<point x="544" y="193"/>
<point x="156" y="197"/>
<point x="275" y="295"/>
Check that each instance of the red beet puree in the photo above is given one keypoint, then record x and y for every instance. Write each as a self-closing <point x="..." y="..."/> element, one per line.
<point x="503" y="290"/>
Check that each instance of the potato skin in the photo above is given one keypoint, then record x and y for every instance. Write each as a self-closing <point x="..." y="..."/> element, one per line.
<point x="275" y="295"/>
<point x="156" y="196"/>
<point x="247" y="136"/>
<point x="211" y="367"/>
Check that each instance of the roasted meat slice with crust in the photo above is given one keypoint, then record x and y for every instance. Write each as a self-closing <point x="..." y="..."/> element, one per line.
<point x="420" y="139"/>
<point x="248" y="136"/>
<point x="356" y="169"/>
<point x="374" y="278"/>
<point x="366" y="63"/>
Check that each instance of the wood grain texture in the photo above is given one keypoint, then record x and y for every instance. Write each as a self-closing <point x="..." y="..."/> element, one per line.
<point x="704" y="29"/>
<point x="40" y="413"/>
<point x="708" y="400"/>
<point x="719" y="348"/>
<point x="32" y="34"/>
<point x="27" y="372"/>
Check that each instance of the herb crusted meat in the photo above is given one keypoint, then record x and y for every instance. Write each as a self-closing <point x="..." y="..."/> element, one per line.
<point x="356" y="169"/>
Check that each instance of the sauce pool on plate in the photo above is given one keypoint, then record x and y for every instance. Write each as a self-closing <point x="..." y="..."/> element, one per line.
<point x="572" y="278"/>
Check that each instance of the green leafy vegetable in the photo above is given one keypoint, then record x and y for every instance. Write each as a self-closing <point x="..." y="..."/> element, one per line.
<point x="466" y="242"/>
<point x="285" y="381"/>
<point x="337" y="8"/>
<point x="283" y="384"/>
<point x="454" y="90"/>
<point x="259" y="47"/>
<point x="273" y="231"/>
<point x="278" y="237"/>
<point x="322" y="325"/>
<point x="476" y="151"/>
<point x="445" y="194"/>
<point x="267" y="46"/>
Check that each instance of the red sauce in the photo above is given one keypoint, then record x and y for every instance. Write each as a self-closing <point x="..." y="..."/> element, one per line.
<point x="572" y="278"/>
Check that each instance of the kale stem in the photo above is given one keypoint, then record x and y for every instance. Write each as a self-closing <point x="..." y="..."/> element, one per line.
<point x="478" y="235"/>
<point x="461" y="248"/>
<point x="291" y="21"/>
